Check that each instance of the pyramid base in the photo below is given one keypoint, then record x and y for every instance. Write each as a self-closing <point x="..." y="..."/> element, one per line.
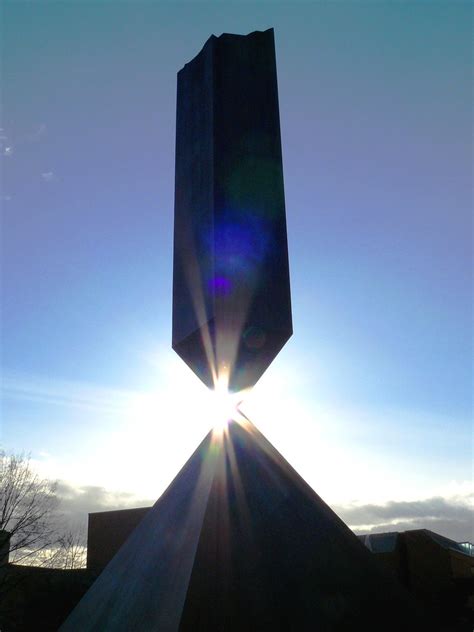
<point x="239" y="542"/>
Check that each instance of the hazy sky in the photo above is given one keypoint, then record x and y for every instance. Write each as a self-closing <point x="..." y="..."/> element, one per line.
<point x="371" y="398"/>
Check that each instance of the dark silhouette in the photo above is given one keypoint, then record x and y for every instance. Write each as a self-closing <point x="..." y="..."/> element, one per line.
<point x="240" y="542"/>
<point x="231" y="293"/>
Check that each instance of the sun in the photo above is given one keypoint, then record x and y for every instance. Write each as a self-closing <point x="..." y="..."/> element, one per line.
<point x="223" y="404"/>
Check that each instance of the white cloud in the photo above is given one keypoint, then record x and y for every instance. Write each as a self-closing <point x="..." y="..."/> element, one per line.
<point x="150" y="434"/>
<point x="60" y="392"/>
<point x="37" y="133"/>
<point x="76" y="502"/>
<point x="7" y="145"/>
<point x="451" y="517"/>
<point x="48" y="176"/>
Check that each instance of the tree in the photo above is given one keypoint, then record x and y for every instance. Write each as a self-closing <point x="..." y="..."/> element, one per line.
<point x="70" y="552"/>
<point x="27" y="508"/>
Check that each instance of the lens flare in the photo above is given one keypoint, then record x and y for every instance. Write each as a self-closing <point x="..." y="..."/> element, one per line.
<point x="224" y="403"/>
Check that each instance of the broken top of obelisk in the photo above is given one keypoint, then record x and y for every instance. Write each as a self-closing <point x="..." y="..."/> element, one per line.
<point x="231" y="289"/>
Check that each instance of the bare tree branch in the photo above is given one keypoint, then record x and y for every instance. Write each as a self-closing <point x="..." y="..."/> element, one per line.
<point x="27" y="507"/>
<point x="71" y="552"/>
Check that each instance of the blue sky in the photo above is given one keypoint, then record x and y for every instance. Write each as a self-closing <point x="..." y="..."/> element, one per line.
<point x="371" y="398"/>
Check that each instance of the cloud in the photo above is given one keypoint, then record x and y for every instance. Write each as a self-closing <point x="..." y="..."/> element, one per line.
<point x="37" y="133"/>
<point x="451" y="517"/>
<point x="48" y="176"/>
<point x="60" y="392"/>
<point x="75" y="503"/>
<point x="7" y="147"/>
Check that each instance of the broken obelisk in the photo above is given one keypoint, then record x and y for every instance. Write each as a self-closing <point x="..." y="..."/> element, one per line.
<point x="238" y="542"/>
<point x="231" y="291"/>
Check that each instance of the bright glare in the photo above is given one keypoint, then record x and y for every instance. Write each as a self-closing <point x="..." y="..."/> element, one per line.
<point x="150" y="435"/>
<point x="223" y="404"/>
<point x="155" y="431"/>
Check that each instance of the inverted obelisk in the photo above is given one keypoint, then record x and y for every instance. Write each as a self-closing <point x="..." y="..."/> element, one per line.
<point x="231" y="292"/>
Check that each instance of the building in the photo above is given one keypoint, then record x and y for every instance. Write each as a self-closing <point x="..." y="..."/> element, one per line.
<point x="437" y="570"/>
